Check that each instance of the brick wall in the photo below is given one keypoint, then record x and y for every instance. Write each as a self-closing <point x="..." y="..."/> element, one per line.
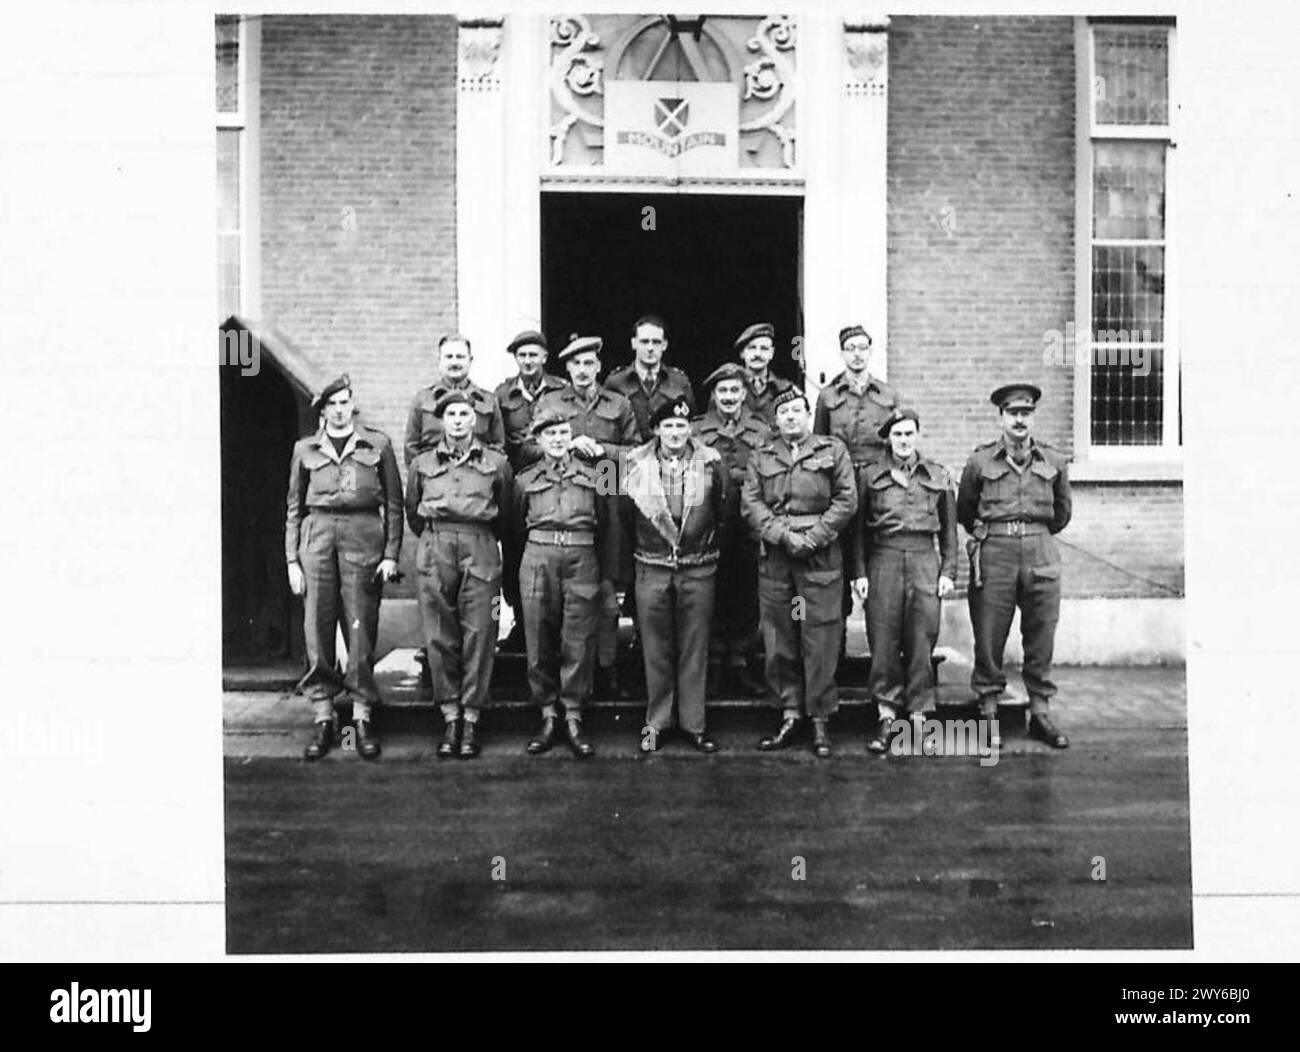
<point x="981" y="218"/>
<point x="359" y="113"/>
<point x="981" y="267"/>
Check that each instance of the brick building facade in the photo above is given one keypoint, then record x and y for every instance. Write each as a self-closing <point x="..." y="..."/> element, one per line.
<point x="401" y="177"/>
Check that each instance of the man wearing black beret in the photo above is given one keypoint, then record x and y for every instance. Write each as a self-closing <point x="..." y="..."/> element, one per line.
<point x="674" y="511"/>
<point x="1013" y="498"/>
<point x="903" y="560"/>
<point x="755" y="348"/>
<point x="342" y="537"/>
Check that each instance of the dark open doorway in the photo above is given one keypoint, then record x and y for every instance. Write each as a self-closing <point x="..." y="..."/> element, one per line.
<point x="710" y="266"/>
<point x="261" y="416"/>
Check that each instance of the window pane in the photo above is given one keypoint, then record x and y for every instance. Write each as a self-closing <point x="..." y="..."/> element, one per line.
<point x="1131" y="84"/>
<point x="1127" y="396"/>
<point x="1128" y="292"/>
<point x="227" y="179"/>
<point x="1128" y="190"/>
<point x="227" y="63"/>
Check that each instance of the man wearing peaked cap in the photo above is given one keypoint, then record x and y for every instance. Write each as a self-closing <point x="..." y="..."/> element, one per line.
<point x="604" y="428"/>
<point x="342" y="536"/>
<point x="1013" y="499"/>
<point x="674" y="511"/>
<point x="647" y="382"/>
<point x="729" y="427"/>
<point x="852" y="407"/>
<point x="907" y="509"/>
<point x="755" y="347"/>
<point x="518" y="398"/>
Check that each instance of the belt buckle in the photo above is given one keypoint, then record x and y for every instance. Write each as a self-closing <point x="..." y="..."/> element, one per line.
<point x="1018" y="528"/>
<point x="562" y="538"/>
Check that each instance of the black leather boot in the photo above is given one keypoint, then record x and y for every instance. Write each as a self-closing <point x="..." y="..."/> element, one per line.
<point x="578" y="741"/>
<point x="450" y="739"/>
<point x="469" y="747"/>
<point x="544" y="739"/>
<point x="367" y="740"/>
<point x="821" y="740"/>
<point x="323" y="741"/>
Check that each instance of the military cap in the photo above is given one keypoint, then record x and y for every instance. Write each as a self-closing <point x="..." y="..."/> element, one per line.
<point x="849" y="331"/>
<point x="899" y="414"/>
<point x="789" y="395"/>
<point x="581" y="344"/>
<point x="546" y="418"/>
<point x="677" y="409"/>
<point x="726" y="371"/>
<point x="448" y="399"/>
<point x="340" y="383"/>
<point x="1017" y="394"/>
<point x="753" y="332"/>
<point x="528" y="338"/>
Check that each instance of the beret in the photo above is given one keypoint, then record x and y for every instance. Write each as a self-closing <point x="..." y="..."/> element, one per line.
<point x="450" y="398"/>
<point x="677" y="409"/>
<point x="1019" y="393"/>
<point x="849" y="331"/>
<point x="726" y="371"/>
<point x="899" y="414"/>
<point x="789" y="395"/>
<point x="339" y="383"/>
<point x="580" y="344"/>
<point x="753" y="332"/>
<point x="527" y="338"/>
<point x="546" y="418"/>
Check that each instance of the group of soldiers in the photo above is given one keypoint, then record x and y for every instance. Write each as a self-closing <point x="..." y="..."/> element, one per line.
<point x="760" y="517"/>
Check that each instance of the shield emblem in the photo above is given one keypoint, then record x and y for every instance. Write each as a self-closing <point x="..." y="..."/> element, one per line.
<point x="670" y="116"/>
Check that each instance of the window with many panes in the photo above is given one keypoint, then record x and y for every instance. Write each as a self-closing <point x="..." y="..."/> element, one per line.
<point x="1132" y="373"/>
<point x="230" y="132"/>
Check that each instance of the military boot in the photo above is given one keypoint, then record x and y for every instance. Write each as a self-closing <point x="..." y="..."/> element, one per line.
<point x="450" y="739"/>
<point x="323" y="741"/>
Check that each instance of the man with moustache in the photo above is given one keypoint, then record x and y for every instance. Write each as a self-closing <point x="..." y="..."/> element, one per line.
<point x="755" y="348"/>
<point x="852" y="407"/>
<point x="455" y="495"/>
<point x="604" y="428"/>
<point x="342" y="537"/>
<point x="568" y="530"/>
<point x="647" y="383"/>
<point x="424" y="424"/>
<point x="729" y="427"/>
<point x="1013" y="498"/>
<point x="675" y="510"/>
<point x="799" y="494"/>
<point x="518" y="398"/>
<point x="907" y="510"/>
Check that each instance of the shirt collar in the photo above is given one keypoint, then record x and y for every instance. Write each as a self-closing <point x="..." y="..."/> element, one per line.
<point x="647" y="377"/>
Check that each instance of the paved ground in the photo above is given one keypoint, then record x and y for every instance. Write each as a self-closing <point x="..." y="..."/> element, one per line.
<point x="683" y="851"/>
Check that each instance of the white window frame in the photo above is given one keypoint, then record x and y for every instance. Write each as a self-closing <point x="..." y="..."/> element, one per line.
<point x="245" y="120"/>
<point x="1162" y="461"/>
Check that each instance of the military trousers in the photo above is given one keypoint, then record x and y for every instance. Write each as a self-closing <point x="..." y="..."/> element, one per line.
<point x="675" y="610"/>
<point x="560" y="594"/>
<point x="459" y="568"/>
<point x="735" y="629"/>
<point x="339" y="553"/>
<point x="1022" y="572"/>
<point x="799" y="608"/>
<point x="902" y="619"/>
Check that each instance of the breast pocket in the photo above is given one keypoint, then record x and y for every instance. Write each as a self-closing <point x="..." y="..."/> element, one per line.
<point x="1042" y="490"/>
<point x="997" y="488"/>
<point x="811" y="485"/>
